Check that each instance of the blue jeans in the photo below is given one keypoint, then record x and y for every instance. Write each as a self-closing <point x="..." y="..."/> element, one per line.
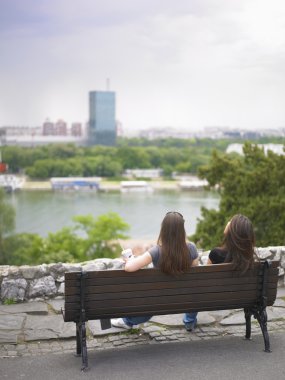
<point x="188" y="318"/>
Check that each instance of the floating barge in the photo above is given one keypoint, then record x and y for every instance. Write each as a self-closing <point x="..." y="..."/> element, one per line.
<point x="75" y="183"/>
<point x="192" y="184"/>
<point x="128" y="186"/>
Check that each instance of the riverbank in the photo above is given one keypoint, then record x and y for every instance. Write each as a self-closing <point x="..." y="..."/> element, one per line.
<point x="106" y="185"/>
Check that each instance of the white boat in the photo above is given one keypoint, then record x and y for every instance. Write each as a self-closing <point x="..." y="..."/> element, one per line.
<point x="127" y="186"/>
<point x="10" y="183"/>
<point x="193" y="184"/>
<point x="75" y="183"/>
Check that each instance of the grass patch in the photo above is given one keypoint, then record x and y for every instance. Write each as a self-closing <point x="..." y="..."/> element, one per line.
<point x="134" y="331"/>
<point x="9" y="301"/>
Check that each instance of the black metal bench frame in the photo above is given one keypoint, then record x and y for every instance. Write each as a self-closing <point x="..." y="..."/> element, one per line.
<point x="110" y="294"/>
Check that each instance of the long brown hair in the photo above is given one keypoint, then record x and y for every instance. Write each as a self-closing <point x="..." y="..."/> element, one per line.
<point x="174" y="256"/>
<point x="239" y="242"/>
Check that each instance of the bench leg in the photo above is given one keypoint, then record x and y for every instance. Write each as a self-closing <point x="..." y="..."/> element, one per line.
<point x="84" y="348"/>
<point x="81" y="346"/>
<point x="78" y="341"/>
<point x="247" y="315"/>
<point x="261" y="316"/>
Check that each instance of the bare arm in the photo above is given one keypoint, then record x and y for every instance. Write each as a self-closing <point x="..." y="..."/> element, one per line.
<point x="195" y="262"/>
<point x="209" y="262"/>
<point x="139" y="262"/>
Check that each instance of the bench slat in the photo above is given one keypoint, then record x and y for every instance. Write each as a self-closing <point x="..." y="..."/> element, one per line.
<point x="169" y="299"/>
<point x="168" y="291"/>
<point x="156" y="278"/>
<point x="150" y="272"/>
<point x="161" y="309"/>
<point x="71" y="289"/>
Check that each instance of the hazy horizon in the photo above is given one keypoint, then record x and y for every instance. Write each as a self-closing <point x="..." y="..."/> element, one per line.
<point x="186" y="64"/>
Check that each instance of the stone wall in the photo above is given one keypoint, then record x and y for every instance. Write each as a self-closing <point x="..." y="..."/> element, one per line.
<point x="47" y="280"/>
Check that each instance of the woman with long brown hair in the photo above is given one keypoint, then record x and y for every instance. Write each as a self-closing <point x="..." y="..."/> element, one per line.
<point x="172" y="255"/>
<point x="237" y="246"/>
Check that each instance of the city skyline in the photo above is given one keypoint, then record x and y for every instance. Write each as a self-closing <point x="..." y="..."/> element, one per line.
<point x="182" y="64"/>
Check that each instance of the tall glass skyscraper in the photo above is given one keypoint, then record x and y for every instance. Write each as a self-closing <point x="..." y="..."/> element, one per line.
<point x="102" y="124"/>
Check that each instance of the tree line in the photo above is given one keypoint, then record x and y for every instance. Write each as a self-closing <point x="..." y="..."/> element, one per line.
<point x="63" y="160"/>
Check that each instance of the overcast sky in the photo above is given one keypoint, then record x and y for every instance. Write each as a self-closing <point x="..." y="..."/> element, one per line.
<point x="181" y="63"/>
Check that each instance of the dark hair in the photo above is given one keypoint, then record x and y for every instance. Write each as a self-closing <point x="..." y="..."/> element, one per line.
<point x="174" y="256"/>
<point x="239" y="242"/>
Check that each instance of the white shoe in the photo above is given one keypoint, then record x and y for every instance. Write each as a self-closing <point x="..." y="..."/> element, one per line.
<point x="119" y="322"/>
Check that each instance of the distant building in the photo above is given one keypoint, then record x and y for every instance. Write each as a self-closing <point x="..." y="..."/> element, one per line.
<point x="76" y="129"/>
<point x="48" y="128"/>
<point x="143" y="173"/>
<point x="21" y="131"/>
<point x="102" y="124"/>
<point x="238" y="148"/>
<point x="55" y="129"/>
<point x="60" y="128"/>
<point x="48" y="133"/>
<point x="165" y="132"/>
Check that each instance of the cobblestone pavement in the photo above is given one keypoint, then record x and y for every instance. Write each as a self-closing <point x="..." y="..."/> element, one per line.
<point x="37" y="328"/>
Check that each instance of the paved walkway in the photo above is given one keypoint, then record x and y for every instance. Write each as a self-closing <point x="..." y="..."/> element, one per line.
<point x="37" y="328"/>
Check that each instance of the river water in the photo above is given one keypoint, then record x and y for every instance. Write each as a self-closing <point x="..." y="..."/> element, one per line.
<point x="47" y="211"/>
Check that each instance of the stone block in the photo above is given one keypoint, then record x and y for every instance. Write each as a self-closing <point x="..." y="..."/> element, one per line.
<point x="91" y="266"/>
<point x="44" y="286"/>
<point x="56" y="305"/>
<point x="220" y="314"/>
<point x="4" y="270"/>
<point x="235" y="319"/>
<point x="35" y="308"/>
<point x="9" y="337"/>
<point x="38" y="328"/>
<point x="265" y="253"/>
<point x="57" y="270"/>
<point x="60" y="290"/>
<point x="28" y="272"/>
<point x="14" y="289"/>
<point x="118" y="264"/>
<point x="72" y="267"/>
<point x="11" y="322"/>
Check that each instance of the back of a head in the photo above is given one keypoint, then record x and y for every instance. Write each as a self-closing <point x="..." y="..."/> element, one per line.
<point x="172" y="229"/>
<point x="172" y="239"/>
<point x="239" y="241"/>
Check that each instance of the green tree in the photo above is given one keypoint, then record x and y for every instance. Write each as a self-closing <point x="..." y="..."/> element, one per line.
<point x="132" y="158"/>
<point x="62" y="246"/>
<point x="106" y="167"/>
<point x="89" y="239"/>
<point x="102" y="234"/>
<point x="253" y="185"/>
<point x="23" y="248"/>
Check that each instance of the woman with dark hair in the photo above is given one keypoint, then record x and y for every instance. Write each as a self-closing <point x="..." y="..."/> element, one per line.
<point x="237" y="246"/>
<point x="172" y="255"/>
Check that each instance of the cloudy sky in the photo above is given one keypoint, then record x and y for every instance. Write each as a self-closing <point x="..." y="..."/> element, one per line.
<point x="181" y="63"/>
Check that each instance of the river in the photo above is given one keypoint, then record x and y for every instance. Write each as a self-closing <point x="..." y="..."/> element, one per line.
<point x="42" y="212"/>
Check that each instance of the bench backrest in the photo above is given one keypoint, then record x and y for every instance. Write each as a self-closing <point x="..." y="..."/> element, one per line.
<point x="116" y="293"/>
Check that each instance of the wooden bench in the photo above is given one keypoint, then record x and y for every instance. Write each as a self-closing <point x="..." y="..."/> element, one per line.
<point x="110" y="294"/>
